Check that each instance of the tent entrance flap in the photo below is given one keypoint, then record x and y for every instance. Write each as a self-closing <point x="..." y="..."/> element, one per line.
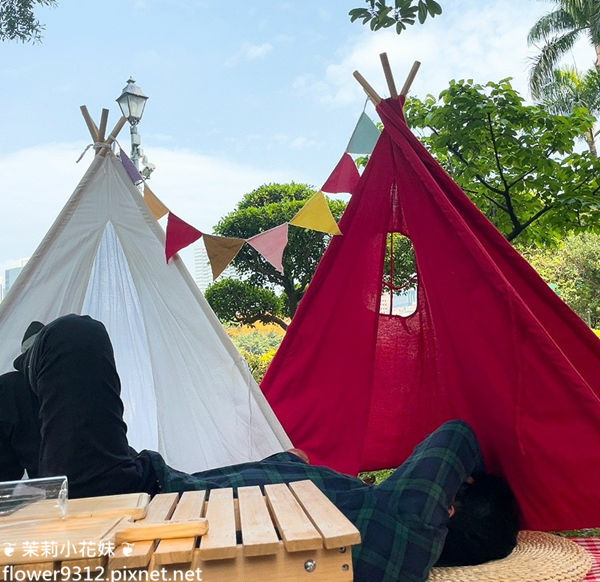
<point x="111" y="297"/>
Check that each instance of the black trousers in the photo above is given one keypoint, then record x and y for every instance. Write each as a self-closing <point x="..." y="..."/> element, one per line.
<point x="19" y="428"/>
<point x="71" y="370"/>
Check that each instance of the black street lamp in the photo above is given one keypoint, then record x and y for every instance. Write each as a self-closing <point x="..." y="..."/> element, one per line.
<point x="132" y="102"/>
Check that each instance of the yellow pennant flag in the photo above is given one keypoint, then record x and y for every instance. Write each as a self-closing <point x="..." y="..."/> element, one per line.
<point x="157" y="208"/>
<point x="315" y="214"/>
<point x="221" y="250"/>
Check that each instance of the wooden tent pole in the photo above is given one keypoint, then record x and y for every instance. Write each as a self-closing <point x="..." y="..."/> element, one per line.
<point x="90" y="123"/>
<point x="113" y="134"/>
<point x="103" y="122"/>
<point x="410" y="78"/>
<point x="376" y="99"/>
<point x="387" y="71"/>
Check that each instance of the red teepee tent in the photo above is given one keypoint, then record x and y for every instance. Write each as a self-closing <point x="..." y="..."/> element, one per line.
<point x="489" y="343"/>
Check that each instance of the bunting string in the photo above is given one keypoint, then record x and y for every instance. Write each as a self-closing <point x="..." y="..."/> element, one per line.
<point x="314" y="215"/>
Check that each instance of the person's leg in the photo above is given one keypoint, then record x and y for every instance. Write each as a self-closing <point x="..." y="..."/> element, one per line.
<point x="19" y="428"/>
<point x="11" y="468"/>
<point x="426" y="483"/>
<point x="72" y="371"/>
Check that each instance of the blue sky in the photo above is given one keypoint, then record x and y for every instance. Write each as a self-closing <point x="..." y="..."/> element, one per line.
<point x="240" y="94"/>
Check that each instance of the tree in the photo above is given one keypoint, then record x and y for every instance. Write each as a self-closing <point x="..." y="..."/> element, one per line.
<point x="18" y="22"/>
<point x="558" y="31"/>
<point x="238" y="301"/>
<point x="258" y="363"/>
<point x="264" y="208"/>
<point x="516" y="162"/>
<point x="570" y="90"/>
<point x="573" y="271"/>
<point x="400" y="13"/>
<point x="258" y="343"/>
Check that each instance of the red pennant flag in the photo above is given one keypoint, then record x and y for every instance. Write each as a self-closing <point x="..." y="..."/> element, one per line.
<point x="270" y="244"/>
<point x="344" y="177"/>
<point x="179" y="235"/>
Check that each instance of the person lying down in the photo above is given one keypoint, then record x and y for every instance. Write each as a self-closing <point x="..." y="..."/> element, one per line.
<point x="63" y="415"/>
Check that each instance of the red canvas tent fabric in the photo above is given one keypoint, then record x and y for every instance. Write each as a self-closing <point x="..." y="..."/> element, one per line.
<point x="490" y="343"/>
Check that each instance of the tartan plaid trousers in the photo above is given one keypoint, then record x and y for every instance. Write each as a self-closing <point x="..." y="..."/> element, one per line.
<point x="402" y="521"/>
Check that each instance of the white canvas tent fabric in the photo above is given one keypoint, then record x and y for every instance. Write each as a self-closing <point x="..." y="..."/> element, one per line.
<point x="187" y="391"/>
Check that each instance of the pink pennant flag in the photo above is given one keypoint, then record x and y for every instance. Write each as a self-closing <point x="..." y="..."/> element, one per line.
<point x="344" y="177"/>
<point x="271" y="244"/>
<point x="179" y="235"/>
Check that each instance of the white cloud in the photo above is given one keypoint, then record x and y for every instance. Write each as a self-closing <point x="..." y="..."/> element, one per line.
<point x="303" y="143"/>
<point x="36" y="183"/>
<point x="159" y="137"/>
<point x="467" y="41"/>
<point x="250" y="52"/>
<point x="297" y="142"/>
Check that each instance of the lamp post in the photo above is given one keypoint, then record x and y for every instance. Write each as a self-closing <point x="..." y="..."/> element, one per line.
<point x="132" y="101"/>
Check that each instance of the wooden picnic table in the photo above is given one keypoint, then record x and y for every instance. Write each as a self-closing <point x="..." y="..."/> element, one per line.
<point x="285" y="533"/>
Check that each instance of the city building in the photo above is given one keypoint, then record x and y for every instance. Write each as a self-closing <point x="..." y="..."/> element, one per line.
<point x="10" y="276"/>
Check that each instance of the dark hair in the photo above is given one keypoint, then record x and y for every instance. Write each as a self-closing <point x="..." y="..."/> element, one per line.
<point x="485" y="523"/>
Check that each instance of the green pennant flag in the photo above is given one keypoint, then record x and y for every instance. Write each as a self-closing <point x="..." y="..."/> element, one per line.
<point x="364" y="137"/>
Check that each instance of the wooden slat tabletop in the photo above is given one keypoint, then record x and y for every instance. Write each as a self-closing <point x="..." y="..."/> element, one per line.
<point x="259" y="537"/>
<point x="337" y="530"/>
<point x="220" y="541"/>
<point x="295" y="528"/>
<point x="138" y="554"/>
<point x="132" y="504"/>
<point x="180" y="550"/>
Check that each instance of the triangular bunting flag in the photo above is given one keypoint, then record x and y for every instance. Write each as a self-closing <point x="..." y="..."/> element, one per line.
<point x="344" y="177"/>
<point x="156" y="207"/>
<point x="179" y="235"/>
<point x="271" y="244"/>
<point x="315" y="214"/>
<point x="364" y="137"/>
<point x="221" y="250"/>
<point x="131" y="170"/>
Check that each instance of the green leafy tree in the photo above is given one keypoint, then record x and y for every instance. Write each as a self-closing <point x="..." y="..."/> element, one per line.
<point x="570" y="90"/>
<point x="258" y="343"/>
<point x="573" y="271"/>
<point x="241" y="302"/>
<point x="399" y="274"/>
<point x="18" y="21"/>
<point x="399" y="13"/>
<point x="258" y="363"/>
<point x="558" y="31"/>
<point x="264" y="208"/>
<point x="515" y="161"/>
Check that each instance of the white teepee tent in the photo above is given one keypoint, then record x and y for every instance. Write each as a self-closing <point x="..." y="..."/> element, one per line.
<point x="187" y="392"/>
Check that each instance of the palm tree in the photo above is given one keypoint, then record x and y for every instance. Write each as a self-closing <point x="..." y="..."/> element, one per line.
<point x="570" y="89"/>
<point x="558" y="31"/>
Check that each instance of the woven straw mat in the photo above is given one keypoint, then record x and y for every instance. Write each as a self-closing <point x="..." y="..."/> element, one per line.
<point x="538" y="557"/>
